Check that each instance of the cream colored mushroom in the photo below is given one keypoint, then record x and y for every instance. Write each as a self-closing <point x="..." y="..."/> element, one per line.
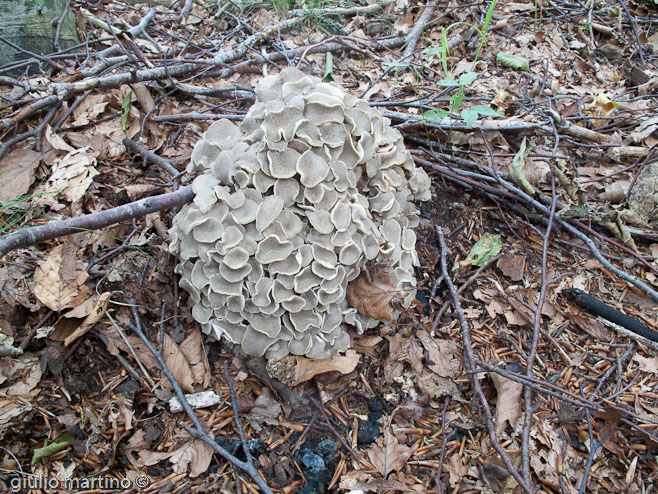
<point x="289" y="208"/>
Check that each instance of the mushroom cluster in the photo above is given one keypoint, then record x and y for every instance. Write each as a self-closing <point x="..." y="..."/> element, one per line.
<point x="289" y="208"/>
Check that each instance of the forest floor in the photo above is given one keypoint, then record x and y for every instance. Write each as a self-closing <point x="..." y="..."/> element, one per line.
<point x="539" y="150"/>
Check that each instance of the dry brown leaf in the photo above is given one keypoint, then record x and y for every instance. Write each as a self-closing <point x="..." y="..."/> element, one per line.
<point x="178" y="364"/>
<point x="591" y="326"/>
<point x="143" y="95"/>
<point x="22" y="376"/>
<point x="266" y="410"/>
<point x="404" y="349"/>
<point x="387" y="454"/>
<point x="512" y="266"/>
<point x="56" y="141"/>
<point x="95" y="315"/>
<point x="307" y="368"/>
<point x="508" y="403"/>
<point x="50" y="287"/>
<point x="71" y="176"/>
<point x="192" y="348"/>
<point x="17" y="173"/>
<point x="647" y="364"/>
<point x="381" y="485"/>
<point x="194" y="456"/>
<point x="372" y="295"/>
<point x="437" y="387"/>
<point x="139" y="191"/>
<point x="443" y="355"/>
<point x="116" y="343"/>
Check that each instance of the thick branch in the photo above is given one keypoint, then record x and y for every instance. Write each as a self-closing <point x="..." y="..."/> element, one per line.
<point x="95" y="221"/>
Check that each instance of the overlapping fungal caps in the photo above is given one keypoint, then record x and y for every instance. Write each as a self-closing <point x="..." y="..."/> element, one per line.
<point x="289" y="208"/>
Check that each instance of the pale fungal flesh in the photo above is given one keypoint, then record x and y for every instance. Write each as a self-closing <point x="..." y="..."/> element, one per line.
<point x="290" y="207"/>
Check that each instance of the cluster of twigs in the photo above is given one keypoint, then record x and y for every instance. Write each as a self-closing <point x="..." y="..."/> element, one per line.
<point x="124" y="63"/>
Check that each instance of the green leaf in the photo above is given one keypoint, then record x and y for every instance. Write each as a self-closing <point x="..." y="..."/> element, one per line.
<point x="485" y="111"/>
<point x="433" y="50"/>
<point x="448" y="83"/>
<point x="329" y="68"/>
<point x="51" y="447"/>
<point x="518" y="163"/>
<point x="487" y="19"/>
<point x="488" y="246"/>
<point x="456" y="99"/>
<point x="469" y="116"/>
<point x="125" y="109"/>
<point x="434" y="116"/>
<point x="513" y="61"/>
<point x="402" y="65"/>
<point x="466" y="78"/>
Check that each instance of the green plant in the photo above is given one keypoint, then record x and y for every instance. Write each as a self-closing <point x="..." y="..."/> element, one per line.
<point x="471" y="114"/>
<point x="283" y="6"/>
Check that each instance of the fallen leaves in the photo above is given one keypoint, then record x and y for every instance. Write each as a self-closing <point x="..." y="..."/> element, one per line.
<point x="70" y="176"/>
<point x="508" y="403"/>
<point x="372" y="295"/>
<point x="59" y="281"/>
<point x="17" y="173"/>
<point x="306" y="369"/>
<point x="20" y="378"/>
<point x="387" y="454"/>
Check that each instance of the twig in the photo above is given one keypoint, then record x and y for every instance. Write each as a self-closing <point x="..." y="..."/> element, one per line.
<point x="444" y="440"/>
<point x="529" y="408"/>
<point x="199" y="430"/>
<point x="94" y="221"/>
<point x="41" y="58"/>
<point x="24" y="344"/>
<point x="469" y="360"/>
<point x="35" y="132"/>
<point x="467" y="283"/>
<point x="163" y="163"/>
<point x="593" y="448"/>
<point x="414" y="34"/>
<point x="65" y="10"/>
<point x="335" y="432"/>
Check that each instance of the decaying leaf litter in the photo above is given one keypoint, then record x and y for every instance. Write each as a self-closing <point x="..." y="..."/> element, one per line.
<point x="512" y="388"/>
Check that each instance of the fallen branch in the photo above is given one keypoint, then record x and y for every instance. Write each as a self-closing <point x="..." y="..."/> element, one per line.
<point x="469" y="364"/>
<point x="94" y="221"/>
<point x="199" y="431"/>
<point x="414" y="34"/>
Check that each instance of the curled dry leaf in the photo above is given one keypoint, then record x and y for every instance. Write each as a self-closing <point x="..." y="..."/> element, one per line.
<point x="372" y="295"/>
<point x="178" y="364"/>
<point x="307" y="368"/>
<point x="93" y="316"/>
<point x="71" y="176"/>
<point x="508" y="404"/>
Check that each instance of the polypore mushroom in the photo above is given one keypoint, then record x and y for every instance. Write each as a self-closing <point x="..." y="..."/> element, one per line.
<point x="290" y="207"/>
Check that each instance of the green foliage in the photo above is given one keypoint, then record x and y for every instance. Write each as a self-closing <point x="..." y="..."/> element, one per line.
<point x="49" y="448"/>
<point x="126" y="104"/>
<point x="329" y="68"/>
<point x="469" y="115"/>
<point x="488" y="246"/>
<point x="325" y="23"/>
<point x="513" y="61"/>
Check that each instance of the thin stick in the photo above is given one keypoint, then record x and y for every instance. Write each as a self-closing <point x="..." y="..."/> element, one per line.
<point x="199" y="430"/>
<point x="469" y="360"/>
<point x="94" y="221"/>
